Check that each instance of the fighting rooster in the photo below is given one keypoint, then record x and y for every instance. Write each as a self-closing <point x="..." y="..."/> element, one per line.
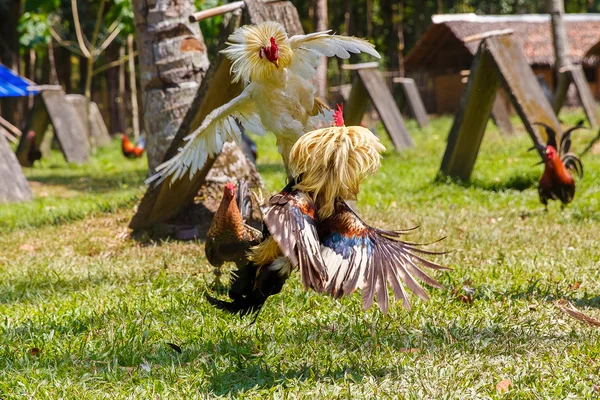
<point x="229" y="237"/>
<point x="279" y="95"/>
<point x="557" y="182"/>
<point x="310" y="226"/>
<point x="131" y="150"/>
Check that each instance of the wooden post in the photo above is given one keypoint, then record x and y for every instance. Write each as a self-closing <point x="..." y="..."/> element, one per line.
<point x="472" y="117"/>
<point x="413" y="98"/>
<point x="501" y="116"/>
<point x="52" y="106"/>
<point x="13" y="185"/>
<point x="585" y="95"/>
<point x="369" y="84"/>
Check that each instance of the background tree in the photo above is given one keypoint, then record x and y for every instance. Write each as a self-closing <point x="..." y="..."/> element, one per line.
<point x="172" y="62"/>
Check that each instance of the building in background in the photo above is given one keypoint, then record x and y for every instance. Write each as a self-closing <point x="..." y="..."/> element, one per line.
<point x="441" y="59"/>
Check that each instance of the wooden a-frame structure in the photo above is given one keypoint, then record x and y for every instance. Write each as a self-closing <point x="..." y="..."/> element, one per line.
<point x="52" y="106"/>
<point x="499" y="62"/>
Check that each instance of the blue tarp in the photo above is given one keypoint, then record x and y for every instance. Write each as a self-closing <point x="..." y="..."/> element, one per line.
<point x="12" y="85"/>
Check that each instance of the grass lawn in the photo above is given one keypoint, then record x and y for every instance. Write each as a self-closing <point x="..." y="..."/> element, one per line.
<point x="86" y="312"/>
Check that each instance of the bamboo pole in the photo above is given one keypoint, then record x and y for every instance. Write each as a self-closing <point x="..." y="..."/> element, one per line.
<point x="133" y="86"/>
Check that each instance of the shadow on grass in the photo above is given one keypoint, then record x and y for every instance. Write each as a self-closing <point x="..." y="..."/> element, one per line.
<point x="83" y="182"/>
<point x="518" y="182"/>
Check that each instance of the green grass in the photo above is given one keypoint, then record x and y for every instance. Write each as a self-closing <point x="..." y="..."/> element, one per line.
<point x="100" y="307"/>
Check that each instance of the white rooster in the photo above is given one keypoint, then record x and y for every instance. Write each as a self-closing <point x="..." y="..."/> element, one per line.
<point x="279" y="95"/>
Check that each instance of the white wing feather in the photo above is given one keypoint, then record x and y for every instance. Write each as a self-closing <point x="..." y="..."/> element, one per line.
<point x="309" y="48"/>
<point x="218" y="127"/>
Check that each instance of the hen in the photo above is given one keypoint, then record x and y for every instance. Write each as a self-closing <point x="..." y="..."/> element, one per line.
<point x="131" y="150"/>
<point x="279" y="95"/>
<point x="557" y="182"/>
<point x="229" y="237"/>
<point x="310" y="226"/>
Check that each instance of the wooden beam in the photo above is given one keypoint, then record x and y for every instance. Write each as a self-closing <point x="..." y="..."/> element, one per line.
<point x="213" y="12"/>
<point x="10" y="127"/>
<point x="356" y="67"/>
<point x="488" y="34"/>
<point x="386" y="107"/>
<point x="471" y="118"/>
<point x="413" y="98"/>
<point x="521" y="86"/>
<point x="501" y="116"/>
<point x="585" y="95"/>
<point x="13" y="185"/>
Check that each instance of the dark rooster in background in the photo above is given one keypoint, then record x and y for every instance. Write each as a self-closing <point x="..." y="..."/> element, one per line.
<point x="229" y="238"/>
<point x="34" y="153"/>
<point x="131" y="150"/>
<point x="557" y="181"/>
<point x="309" y="225"/>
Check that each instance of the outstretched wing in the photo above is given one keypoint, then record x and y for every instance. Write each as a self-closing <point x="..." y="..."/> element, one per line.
<point x="290" y="218"/>
<point x="219" y="126"/>
<point x="359" y="256"/>
<point x="308" y="49"/>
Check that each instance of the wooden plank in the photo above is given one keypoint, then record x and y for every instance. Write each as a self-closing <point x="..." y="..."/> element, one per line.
<point x="412" y="97"/>
<point x="13" y="185"/>
<point x="472" y="117"/>
<point x="501" y="116"/>
<point x="386" y="106"/>
<point x="37" y="121"/>
<point x="67" y="126"/>
<point x="358" y="101"/>
<point x="96" y="132"/>
<point x="356" y="67"/>
<point x="521" y="86"/>
<point x="585" y="95"/>
<point x="165" y="201"/>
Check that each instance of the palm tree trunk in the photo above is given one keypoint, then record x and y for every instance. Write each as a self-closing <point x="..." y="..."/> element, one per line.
<point x="170" y="72"/>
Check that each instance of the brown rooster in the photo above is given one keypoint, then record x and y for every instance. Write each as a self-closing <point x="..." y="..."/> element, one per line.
<point x="557" y="182"/>
<point x="131" y="150"/>
<point x="229" y="237"/>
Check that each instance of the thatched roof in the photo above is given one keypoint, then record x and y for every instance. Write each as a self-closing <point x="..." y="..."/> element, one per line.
<point x="442" y="46"/>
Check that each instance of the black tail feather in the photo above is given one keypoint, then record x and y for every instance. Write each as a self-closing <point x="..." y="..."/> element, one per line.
<point x="251" y="286"/>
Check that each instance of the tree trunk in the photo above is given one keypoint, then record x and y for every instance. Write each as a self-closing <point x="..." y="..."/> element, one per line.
<point x="321" y="24"/>
<point x="561" y="53"/>
<point x="10" y="12"/>
<point x="116" y="113"/>
<point x="172" y="61"/>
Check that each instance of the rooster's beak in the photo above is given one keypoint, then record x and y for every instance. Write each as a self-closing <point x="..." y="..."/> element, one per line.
<point x="276" y="62"/>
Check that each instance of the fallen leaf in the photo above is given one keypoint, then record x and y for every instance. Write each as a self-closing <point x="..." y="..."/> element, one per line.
<point x="409" y="350"/>
<point x="35" y="351"/>
<point x="570" y="309"/>
<point x="466" y="298"/>
<point x="533" y="307"/>
<point x="574" y="286"/>
<point x="27" y="247"/>
<point x="145" y="367"/>
<point x="174" y="347"/>
<point x="503" y="386"/>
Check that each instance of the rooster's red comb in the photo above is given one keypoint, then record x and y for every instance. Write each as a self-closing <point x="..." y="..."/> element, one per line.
<point x="338" y="115"/>
<point x="230" y="186"/>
